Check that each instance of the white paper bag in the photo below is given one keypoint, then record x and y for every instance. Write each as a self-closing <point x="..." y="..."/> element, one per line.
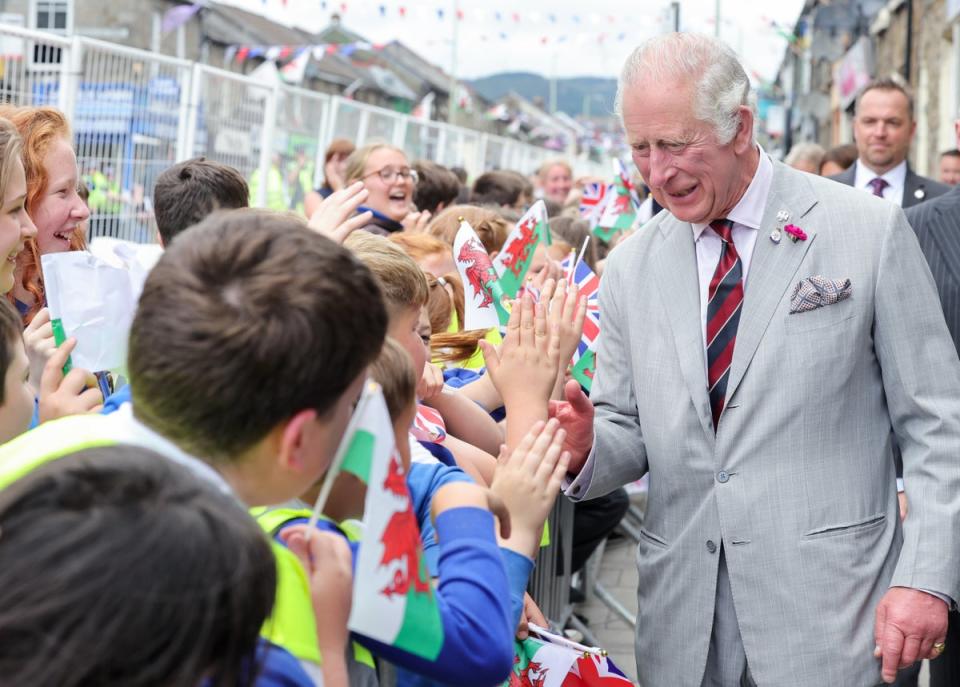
<point x="95" y="302"/>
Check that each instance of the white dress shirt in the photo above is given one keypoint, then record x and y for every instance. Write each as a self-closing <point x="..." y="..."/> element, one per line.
<point x="896" y="179"/>
<point x="746" y="217"/>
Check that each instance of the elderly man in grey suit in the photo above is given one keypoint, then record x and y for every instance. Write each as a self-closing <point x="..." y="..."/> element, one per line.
<point x="761" y="338"/>
<point x="883" y="126"/>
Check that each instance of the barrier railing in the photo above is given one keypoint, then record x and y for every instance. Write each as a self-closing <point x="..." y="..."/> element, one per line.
<point x="135" y="112"/>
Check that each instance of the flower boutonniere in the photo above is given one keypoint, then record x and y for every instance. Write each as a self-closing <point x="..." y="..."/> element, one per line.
<point x="795" y="232"/>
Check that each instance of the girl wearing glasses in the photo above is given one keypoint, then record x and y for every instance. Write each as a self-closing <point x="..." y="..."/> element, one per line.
<point x="388" y="177"/>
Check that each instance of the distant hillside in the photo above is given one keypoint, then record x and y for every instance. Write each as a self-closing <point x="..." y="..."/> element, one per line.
<point x="572" y="93"/>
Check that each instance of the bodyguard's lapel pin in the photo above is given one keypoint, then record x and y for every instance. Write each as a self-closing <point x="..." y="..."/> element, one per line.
<point x="919" y="194"/>
<point x="777" y="233"/>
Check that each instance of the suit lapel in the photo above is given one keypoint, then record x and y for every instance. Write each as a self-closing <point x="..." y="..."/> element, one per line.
<point x="772" y="267"/>
<point x="911" y="184"/>
<point x="676" y="268"/>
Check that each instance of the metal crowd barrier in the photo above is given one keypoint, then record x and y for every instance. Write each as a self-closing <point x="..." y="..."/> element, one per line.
<point x="135" y="112"/>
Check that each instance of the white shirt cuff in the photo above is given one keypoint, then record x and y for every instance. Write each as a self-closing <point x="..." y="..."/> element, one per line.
<point x="575" y="487"/>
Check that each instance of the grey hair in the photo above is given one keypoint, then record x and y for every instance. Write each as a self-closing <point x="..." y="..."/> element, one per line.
<point x="805" y="152"/>
<point x="719" y="82"/>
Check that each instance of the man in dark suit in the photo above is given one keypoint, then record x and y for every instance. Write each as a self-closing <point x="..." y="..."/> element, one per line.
<point x="883" y="127"/>
<point x="937" y="225"/>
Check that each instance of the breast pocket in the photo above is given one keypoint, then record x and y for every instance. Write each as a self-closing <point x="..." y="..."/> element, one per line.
<point x="824" y="317"/>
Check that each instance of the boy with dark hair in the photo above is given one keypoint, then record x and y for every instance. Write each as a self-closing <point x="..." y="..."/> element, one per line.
<point x="246" y="355"/>
<point x="253" y="324"/>
<point x="505" y="188"/>
<point x="437" y="186"/>
<point x="121" y="523"/>
<point x="189" y="191"/>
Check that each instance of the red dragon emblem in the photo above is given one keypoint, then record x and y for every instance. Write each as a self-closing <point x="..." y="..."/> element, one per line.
<point x="479" y="269"/>
<point x="534" y="675"/>
<point x="401" y="540"/>
<point x="518" y="250"/>
<point x="621" y="203"/>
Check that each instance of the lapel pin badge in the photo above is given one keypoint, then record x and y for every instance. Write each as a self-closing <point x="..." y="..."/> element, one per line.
<point x="777" y="233"/>
<point x="919" y="194"/>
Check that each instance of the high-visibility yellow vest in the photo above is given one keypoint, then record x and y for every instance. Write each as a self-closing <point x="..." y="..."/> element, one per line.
<point x="272" y="521"/>
<point x="291" y="625"/>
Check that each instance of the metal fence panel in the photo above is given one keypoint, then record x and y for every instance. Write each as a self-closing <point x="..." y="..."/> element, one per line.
<point x="230" y="112"/>
<point x="127" y="126"/>
<point x="134" y="113"/>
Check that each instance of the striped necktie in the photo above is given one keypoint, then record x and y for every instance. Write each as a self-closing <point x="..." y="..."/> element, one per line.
<point x="724" y="302"/>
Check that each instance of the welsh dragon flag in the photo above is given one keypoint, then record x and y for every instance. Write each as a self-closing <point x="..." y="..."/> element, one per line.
<point x="393" y="599"/>
<point x="620" y="205"/>
<point x="546" y="660"/>
<point x="482" y="292"/>
<point x="514" y="260"/>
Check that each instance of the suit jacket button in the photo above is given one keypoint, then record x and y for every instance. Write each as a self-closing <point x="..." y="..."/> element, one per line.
<point x="723" y="476"/>
<point x="711" y="547"/>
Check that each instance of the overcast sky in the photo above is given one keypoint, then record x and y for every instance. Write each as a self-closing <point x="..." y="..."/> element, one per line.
<point x="562" y="37"/>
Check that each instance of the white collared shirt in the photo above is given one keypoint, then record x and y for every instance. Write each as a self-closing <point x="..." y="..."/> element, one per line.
<point x="746" y="217"/>
<point x="896" y="179"/>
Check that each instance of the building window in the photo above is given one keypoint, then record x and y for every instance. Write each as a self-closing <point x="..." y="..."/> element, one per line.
<point x="52" y="15"/>
<point x="55" y="16"/>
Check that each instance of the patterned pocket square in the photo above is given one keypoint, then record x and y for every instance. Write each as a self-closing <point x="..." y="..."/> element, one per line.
<point x="816" y="292"/>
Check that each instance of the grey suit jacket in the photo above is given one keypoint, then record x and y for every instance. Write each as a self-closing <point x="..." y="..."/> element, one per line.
<point x="916" y="189"/>
<point x="937" y="225"/>
<point x="798" y="481"/>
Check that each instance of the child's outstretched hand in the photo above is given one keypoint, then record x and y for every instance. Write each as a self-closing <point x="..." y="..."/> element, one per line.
<point x="567" y="312"/>
<point x="74" y="394"/>
<point x="39" y="344"/>
<point x="335" y="218"/>
<point x="524" y="370"/>
<point x="528" y="480"/>
<point x="326" y="558"/>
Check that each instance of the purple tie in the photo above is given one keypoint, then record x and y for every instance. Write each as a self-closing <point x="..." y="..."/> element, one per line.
<point x="878" y="185"/>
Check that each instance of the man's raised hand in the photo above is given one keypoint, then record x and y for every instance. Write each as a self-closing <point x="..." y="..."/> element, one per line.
<point x="575" y="415"/>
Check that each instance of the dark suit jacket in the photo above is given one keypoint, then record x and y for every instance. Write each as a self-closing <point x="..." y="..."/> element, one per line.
<point x="937" y="225"/>
<point x="914" y="184"/>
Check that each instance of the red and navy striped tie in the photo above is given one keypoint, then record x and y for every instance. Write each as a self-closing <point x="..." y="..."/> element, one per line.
<point x="724" y="302"/>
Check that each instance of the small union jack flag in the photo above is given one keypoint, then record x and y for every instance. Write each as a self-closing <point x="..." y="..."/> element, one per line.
<point x="591" y="202"/>
<point x="589" y="284"/>
<point x="428" y="425"/>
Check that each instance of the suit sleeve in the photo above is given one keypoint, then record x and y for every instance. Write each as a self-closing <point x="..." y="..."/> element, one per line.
<point x="618" y="455"/>
<point x="921" y="379"/>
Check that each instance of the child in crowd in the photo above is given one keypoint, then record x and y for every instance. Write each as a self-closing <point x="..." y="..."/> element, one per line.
<point x="478" y="606"/>
<point x="189" y="191"/>
<point x="387" y="175"/>
<point x="473" y="437"/>
<point x="122" y="568"/>
<point x="490" y="227"/>
<point x="504" y="189"/>
<point x="437" y="187"/>
<point x="248" y="350"/>
<point x="52" y="200"/>
<point x="477" y="589"/>
<point x="59" y="395"/>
